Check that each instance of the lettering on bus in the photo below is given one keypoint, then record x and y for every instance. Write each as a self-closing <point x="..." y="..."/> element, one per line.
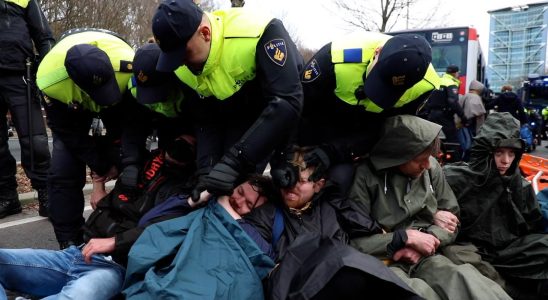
<point x="441" y="37"/>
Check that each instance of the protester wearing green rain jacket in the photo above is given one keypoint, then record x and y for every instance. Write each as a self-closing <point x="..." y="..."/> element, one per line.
<point x="404" y="189"/>
<point x="500" y="214"/>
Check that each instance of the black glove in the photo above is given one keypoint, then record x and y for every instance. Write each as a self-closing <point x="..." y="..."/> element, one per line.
<point x="317" y="158"/>
<point x="283" y="172"/>
<point x="129" y="177"/>
<point x="285" y="175"/>
<point x="198" y="189"/>
<point x="225" y="175"/>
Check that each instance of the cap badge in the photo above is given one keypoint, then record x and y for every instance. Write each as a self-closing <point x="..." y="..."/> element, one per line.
<point x="398" y="80"/>
<point x="142" y="77"/>
<point x="97" y="80"/>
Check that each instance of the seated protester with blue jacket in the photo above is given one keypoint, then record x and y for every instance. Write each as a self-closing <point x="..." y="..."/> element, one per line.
<point x="309" y="229"/>
<point x="95" y="270"/>
<point x="402" y="187"/>
<point x="501" y="220"/>
<point x="211" y="253"/>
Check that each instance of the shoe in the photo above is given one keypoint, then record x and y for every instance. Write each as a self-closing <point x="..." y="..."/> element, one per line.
<point x="8" y="207"/>
<point x="66" y="244"/>
<point x="43" y="203"/>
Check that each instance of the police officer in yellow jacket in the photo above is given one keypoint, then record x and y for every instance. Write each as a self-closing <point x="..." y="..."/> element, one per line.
<point x="163" y="94"/>
<point x="350" y="85"/>
<point x="444" y="104"/>
<point x="23" y="28"/>
<point x="84" y="76"/>
<point x="246" y="67"/>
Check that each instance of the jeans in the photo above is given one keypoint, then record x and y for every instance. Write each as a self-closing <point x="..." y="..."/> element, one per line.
<point x="59" y="274"/>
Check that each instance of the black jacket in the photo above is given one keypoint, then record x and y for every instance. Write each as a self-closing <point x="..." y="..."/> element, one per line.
<point x="117" y="214"/>
<point x="20" y="28"/>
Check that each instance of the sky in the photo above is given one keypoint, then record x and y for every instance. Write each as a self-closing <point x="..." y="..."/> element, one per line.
<point x="316" y="25"/>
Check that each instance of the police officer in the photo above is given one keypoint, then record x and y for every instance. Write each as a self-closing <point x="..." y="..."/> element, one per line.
<point x="22" y="27"/>
<point x="84" y="77"/>
<point x="165" y="96"/>
<point x="444" y="103"/>
<point x="246" y="67"/>
<point x="350" y="85"/>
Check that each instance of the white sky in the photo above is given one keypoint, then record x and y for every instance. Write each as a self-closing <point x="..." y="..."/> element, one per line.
<point x="316" y="25"/>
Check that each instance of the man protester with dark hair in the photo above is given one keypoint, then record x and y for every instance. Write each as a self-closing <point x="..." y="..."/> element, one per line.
<point x="83" y="77"/>
<point x="246" y="68"/>
<point x="350" y="85"/>
<point x="23" y="28"/>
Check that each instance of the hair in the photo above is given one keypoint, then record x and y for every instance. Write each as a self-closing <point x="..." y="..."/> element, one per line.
<point x="506" y="88"/>
<point x="434" y="147"/>
<point x="265" y="186"/>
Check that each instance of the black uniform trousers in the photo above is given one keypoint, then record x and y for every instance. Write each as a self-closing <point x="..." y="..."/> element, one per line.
<point x="13" y="97"/>
<point x="66" y="180"/>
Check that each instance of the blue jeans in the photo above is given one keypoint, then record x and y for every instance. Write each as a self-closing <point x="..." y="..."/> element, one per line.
<point x="59" y="274"/>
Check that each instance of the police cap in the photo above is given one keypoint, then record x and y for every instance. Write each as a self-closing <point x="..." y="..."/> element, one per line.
<point x="173" y="24"/>
<point x="91" y="70"/>
<point x="402" y="63"/>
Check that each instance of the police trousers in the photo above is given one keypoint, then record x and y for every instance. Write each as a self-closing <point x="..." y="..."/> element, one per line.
<point x="13" y="98"/>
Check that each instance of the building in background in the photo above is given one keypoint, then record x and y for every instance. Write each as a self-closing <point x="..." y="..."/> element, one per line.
<point x="517" y="44"/>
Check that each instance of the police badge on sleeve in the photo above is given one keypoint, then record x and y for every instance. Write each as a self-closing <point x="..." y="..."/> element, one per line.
<point x="311" y="71"/>
<point x="276" y="51"/>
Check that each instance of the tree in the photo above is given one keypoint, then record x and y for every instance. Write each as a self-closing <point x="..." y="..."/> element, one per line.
<point x="385" y="15"/>
<point x="131" y="19"/>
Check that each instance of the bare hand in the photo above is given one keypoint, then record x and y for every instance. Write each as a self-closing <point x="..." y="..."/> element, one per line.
<point x="97" y="194"/>
<point x="111" y="174"/>
<point x="407" y="255"/>
<point x="425" y="243"/>
<point x="446" y="220"/>
<point x="95" y="246"/>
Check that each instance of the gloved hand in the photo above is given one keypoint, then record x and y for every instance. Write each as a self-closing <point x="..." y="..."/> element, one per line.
<point x="319" y="159"/>
<point x="224" y="176"/>
<point x="283" y="172"/>
<point x="198" y="189"/>
<point x="285" y="175"/>
<point x="129" y="177"/>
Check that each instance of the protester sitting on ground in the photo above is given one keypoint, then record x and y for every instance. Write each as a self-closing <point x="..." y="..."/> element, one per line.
<point x="309" y="230"/>
<point x="95" y="270"/>
<point x="209" y="254"/>
<point x="500" y="214"/>
<point x="402" y="186"/>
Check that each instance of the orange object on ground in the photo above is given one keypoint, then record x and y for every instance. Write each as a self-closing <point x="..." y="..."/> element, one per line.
<point x="530" y="167"/>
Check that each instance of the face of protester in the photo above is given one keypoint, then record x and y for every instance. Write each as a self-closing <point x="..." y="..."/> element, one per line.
<point x="302" y="192"/>
<point x="245" y="197"/>
<point x="197" y="49"/>
<point x="504" y="158"/>
<point x="415" y="167"/>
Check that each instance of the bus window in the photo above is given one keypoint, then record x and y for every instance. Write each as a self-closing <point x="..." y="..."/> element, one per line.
<point x="443" y="56"/>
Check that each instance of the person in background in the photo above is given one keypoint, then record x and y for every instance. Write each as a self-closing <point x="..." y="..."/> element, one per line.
<point x="403" y="188"/>
<point x="473" y="107"/>
<point x="508" y="101"/>
<point x="444" y="104"/>
<point x="246" y="68"/>
<point x="501" y="220"/>
<point x="22" y="30"/>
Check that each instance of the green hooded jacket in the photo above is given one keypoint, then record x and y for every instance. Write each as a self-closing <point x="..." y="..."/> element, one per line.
<point x="395" y="200"/>
<point x="496" y="210"/>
